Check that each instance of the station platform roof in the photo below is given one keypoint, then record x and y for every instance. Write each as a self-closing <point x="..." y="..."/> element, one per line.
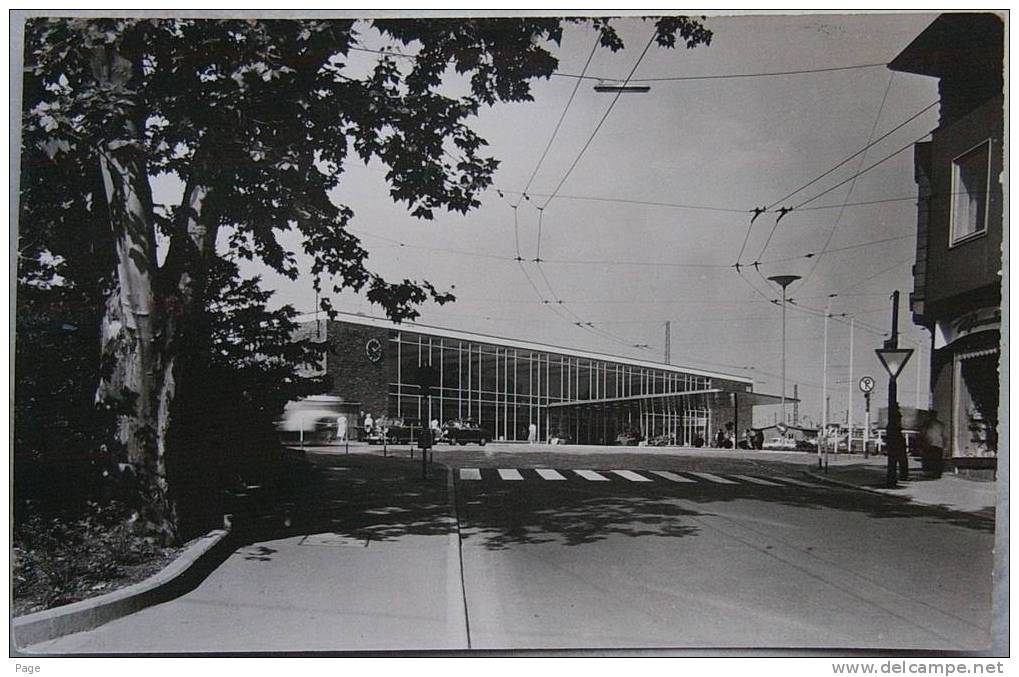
<point x="716" y="394"/>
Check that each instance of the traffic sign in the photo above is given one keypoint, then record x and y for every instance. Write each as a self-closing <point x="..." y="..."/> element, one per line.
<point x="866" y="384"/>
<point x="894" y="359"/>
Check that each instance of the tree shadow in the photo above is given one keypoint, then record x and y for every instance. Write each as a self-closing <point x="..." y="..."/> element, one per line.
<point x="374" y="500"/>
<point x="514" y="513"/>
<point x="379" y="499"/>
<point x="881" y="506"/>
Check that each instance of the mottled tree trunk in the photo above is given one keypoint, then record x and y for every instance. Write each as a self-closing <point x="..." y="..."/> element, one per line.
<point x="150" y="315"/>
<point x="130" y="330"/>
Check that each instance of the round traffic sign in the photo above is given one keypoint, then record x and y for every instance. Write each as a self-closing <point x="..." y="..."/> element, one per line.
<point x="867" y="384"/>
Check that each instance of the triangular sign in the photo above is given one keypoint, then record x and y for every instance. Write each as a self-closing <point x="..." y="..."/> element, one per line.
<point x="894" y="359"/>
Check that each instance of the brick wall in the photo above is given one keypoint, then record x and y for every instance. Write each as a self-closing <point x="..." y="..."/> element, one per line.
<point x="355" y="378"/>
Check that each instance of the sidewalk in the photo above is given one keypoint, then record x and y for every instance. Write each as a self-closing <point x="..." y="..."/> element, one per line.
<point x="365" y="559"/>
<point x="950" y="491"/>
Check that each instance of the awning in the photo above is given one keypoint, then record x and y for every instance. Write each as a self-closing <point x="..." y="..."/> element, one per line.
<point x="970" y="354"/>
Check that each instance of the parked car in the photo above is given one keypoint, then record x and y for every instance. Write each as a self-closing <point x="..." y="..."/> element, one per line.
<point x="466" y="432"/>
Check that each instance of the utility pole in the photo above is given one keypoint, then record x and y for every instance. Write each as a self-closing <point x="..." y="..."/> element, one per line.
<point x="668" y="342"/>
<point x="822" y="435"/>
<point x="852" y="384"/>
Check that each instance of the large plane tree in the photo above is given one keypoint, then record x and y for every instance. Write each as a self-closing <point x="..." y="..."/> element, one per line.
<point x="256" y="120"/>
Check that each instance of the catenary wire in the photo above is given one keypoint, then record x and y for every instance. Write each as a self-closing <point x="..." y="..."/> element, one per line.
<point x="852" y="185"/>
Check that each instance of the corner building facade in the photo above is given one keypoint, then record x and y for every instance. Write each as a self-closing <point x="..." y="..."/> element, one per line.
<point x="506" y="386"/>
<point x="957" y="277"/>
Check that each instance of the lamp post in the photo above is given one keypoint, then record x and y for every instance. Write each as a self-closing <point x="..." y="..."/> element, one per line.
<point x="894" y="359"/>
<point x="783" y="281"/>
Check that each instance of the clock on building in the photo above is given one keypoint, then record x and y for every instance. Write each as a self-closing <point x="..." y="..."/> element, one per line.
<point x="373" y="349"/>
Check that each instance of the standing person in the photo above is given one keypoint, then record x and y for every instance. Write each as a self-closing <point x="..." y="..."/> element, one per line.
<point x="369" y="423"/>
<point x="720" y="439"/>
<point x="532" y="433"/>
<point x="932" y="441"/>
<point x="759" y="439"/>
<point x="341" y="428"/>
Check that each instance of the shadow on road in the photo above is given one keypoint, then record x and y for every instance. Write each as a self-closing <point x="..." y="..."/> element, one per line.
<point x="509" y="514"/>
<point x="358" y="497"/>
<point x="375" y="499"/>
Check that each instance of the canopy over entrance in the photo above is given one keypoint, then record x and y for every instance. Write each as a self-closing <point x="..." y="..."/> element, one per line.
<point x="688" y="417"/>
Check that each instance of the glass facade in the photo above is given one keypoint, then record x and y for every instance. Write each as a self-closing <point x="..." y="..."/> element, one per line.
<point x="513" y="391"/>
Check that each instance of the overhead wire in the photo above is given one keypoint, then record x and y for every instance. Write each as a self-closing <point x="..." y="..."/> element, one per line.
<point x="784" y="210"/>
<point x="601" y="122"/>
<point x="562" y="116"/>
<point x="852" y="185"/>
<point x="673" y="78"/>
<point x="537" y="260"/>
<point x="872" y="276"/>
<point x="859" y="152"/>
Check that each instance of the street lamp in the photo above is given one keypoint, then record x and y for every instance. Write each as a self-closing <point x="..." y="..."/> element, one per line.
<point x="622" y="88"/>
<point x="783" y="281"/>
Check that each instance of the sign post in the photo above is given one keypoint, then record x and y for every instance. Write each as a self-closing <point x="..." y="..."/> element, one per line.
<point x="866" y="386"/>
<point x="426" y="378"/>
<point x="894" y="359"/>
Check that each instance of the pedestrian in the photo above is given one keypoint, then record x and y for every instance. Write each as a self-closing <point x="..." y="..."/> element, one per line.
<point x="532" y="434"/>
<point x="341" y="428"/>
<point x="932" y="445"/>
<point x="759" y="439"/>
<point x="369" y="423"/>
<point x="720" y="439"/>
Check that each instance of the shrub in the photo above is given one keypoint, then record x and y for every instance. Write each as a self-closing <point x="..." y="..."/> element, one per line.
<point x="60" y="562"/>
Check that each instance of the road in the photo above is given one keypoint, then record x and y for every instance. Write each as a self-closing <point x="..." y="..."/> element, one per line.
<point x="597" y="550"/>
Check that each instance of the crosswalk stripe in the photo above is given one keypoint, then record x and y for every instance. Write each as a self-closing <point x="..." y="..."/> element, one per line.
<point x="757" y="480"/>
<point x="801" y="483"/>
<point x="591" y="475"/>
<point x="470" y="474"/>
<point x="547" y="474"/>
<point x="671" y="476"/>
<point x="509" y="474"/>
<point x="711" y="478"/>
<point x="632" y="476"/>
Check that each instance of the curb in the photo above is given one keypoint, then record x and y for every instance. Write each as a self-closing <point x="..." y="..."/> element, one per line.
<point x="848" y="485"/>
<point x="885" y="492"/>
<point x="456" y="593"/>
<point x="181" y="576"/>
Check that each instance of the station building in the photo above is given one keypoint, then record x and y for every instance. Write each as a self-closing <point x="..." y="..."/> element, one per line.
<point x="507" y="386"/>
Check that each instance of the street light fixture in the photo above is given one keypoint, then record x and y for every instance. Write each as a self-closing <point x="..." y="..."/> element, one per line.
<point x="622" y="89"/>
<point x="783" y="281"/>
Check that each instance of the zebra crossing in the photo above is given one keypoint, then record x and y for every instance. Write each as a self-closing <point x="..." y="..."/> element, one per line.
<point x="685" y="477"/>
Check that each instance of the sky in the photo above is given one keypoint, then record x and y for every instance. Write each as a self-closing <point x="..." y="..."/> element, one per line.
<point x="708" y="151"/>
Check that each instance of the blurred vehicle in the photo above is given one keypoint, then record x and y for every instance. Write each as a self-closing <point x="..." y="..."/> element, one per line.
<point x="781" y="443"/>
<point x="309" y="421"/>
<point x="465" y="432"/>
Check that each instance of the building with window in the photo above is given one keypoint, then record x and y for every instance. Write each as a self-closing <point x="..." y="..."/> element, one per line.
<point x="507" y="386"/>
<point x="957" y="276"/>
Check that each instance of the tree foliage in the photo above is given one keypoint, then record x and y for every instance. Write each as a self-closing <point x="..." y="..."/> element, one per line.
<point x="256" y="120"/>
